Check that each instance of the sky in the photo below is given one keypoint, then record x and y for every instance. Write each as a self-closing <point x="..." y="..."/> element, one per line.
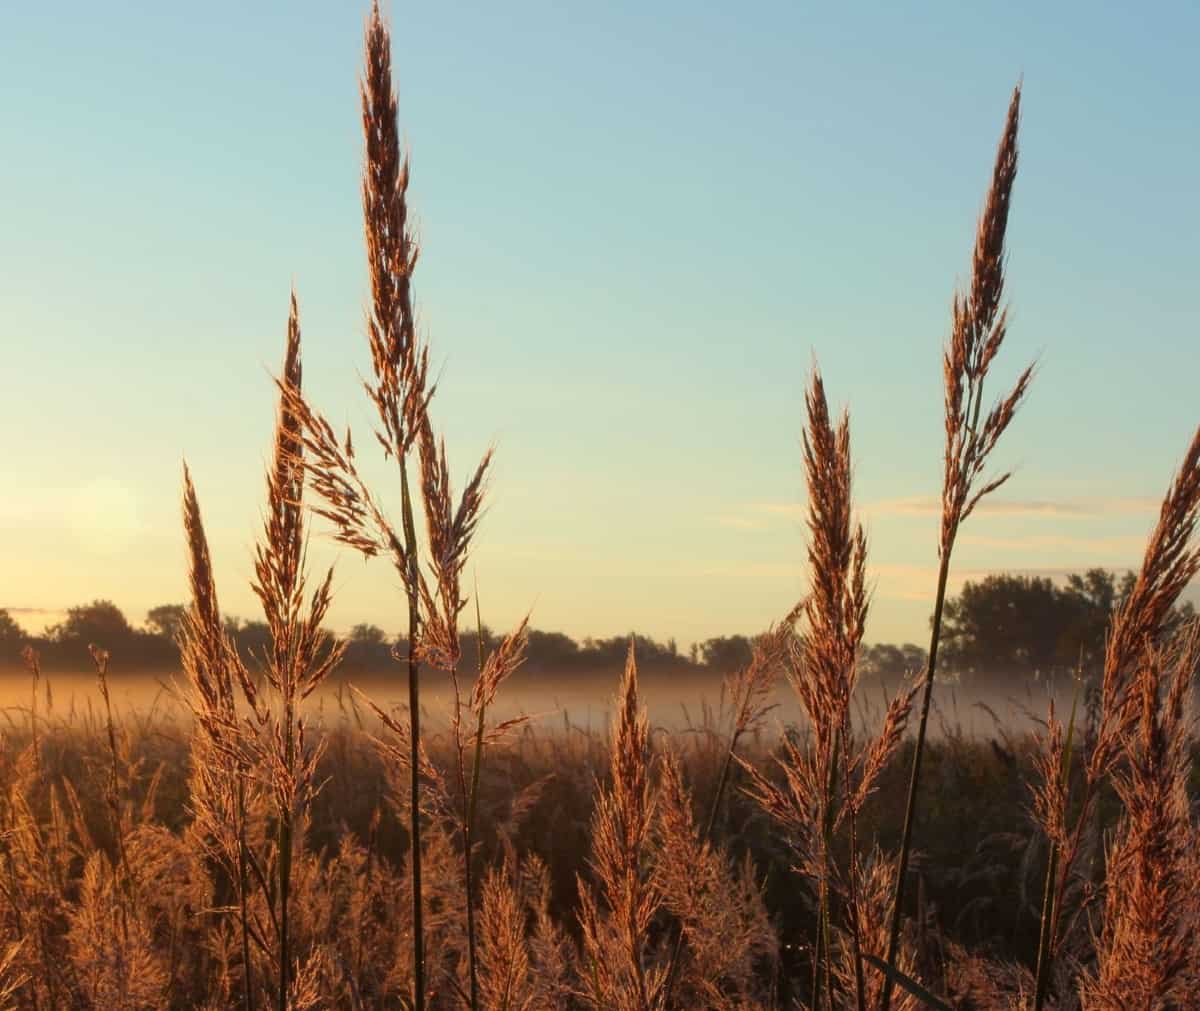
<point x="640" y="224"/>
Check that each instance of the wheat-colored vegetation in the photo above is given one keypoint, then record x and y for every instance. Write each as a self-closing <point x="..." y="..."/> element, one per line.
<point x="246" y="853"/>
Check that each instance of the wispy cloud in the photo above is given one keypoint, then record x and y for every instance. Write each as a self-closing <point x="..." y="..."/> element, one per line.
<point x="930" y="506"/>
<point x="1097" y="547"/>
<point x="759" y="515"/>
<point x="34" y="619"/>
<point x="742" y="522"/>
<point x="775" y="571"/>
<point x="763" y="515"/>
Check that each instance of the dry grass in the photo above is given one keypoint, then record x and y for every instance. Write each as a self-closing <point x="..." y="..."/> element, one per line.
<point x="979" y="326"/>
<point x="748" y="920"/>
<point x="300" y="865"/>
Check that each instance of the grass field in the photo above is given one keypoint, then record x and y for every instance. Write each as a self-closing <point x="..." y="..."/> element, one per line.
<point x="979" y="870"/>
<point x="271" y="844"/>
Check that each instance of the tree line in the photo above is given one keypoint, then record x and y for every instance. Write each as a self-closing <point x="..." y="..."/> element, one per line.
<point x="1000" y="632"/>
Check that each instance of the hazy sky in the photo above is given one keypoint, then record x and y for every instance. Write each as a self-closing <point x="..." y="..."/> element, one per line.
<point x="639" y="223"/>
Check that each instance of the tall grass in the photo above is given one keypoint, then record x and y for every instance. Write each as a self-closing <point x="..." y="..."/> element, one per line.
<point x="828" y="777"/>
<point x="979" y="326"/>
<point x="299" y="865"/>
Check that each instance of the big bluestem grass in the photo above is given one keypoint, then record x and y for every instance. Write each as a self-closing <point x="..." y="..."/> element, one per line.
<point x="827" y="778"/>
<point x="1144" y="740"/>
<point x="979" y="326"/>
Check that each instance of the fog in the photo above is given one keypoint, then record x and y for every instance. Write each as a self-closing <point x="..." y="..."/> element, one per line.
<point x="675" y="703"/>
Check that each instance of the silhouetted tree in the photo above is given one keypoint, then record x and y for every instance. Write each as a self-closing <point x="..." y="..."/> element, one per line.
<point x="252" y="638"/>
<point x="371" y="635"/>
<point x="12" y="637"/>
<point x="611" y="652"/>
<point x="552" y="650"/>
<point x="165" y="620"/>
<point x="368" y="649"/>
<point x="100" y="622"/>
<point x="888" y="664"/>
<point x="726" y="653"/>
<point x="1010" y="627"/>
<point x="10" y="631"/>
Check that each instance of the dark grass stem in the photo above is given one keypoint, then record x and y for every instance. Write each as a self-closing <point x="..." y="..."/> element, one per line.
<point x="243" y="898"/>
<point x="414" y="717"/>
<point x="914" y="781"/>
<point x="285" y="863"/>
<point x="1050" y="907"/>
<point x="980" y="324"/>
<point x="855" y="936"/>
<point x="100" y="659"/>
<point x="469" y="820"/>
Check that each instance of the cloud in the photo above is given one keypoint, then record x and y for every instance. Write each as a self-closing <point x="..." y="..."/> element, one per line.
<point x="930" y="506"/>
<point x="1109" y="547"/>
<point x="28" y="617"/>
<point x="762" y="515"/>
<point x="742" y="522"/>
<point x="754" y="570"/>
<point x="759" y="515"/>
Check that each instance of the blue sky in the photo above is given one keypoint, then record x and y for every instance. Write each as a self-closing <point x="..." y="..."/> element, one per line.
<point x="639" y="223"/>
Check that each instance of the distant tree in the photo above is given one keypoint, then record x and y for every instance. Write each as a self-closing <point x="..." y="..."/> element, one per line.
<point x="611" y="652"/>
<point x="916" y="659"/>
<point x="10" y="631"/>
<point x="12" y="637"/>
<point x="882" y="660"/>
<point x="166" y="620"/>
<point x="890" y="664"/>
<point x="367" y="649"/>
<point x="1096" y="594"/>
<point x="100" y="622"/>
<point x="252" y="638"/>
<point x="371" y="635"/>
<point x="726" y="653"/>
<point x="651" y="651"/>
<point x="469" y="644"/>
<point x="1010" y="628"/>
<point x="552" y="650"/>
<point x="605" y="652"/>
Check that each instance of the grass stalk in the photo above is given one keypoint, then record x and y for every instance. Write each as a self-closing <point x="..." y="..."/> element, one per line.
<point x="914" y="780"/>
<point x="752" y="687"/>
<point x="34" y="666"/>
<point x="709" y="827"/>
<point x="243" y="898"/>
<point x="855" y="934"/>
<point x="980" y="324"/>
<point x="208" y="658"/>
<point x="285" y="873"/>
<point x="822" y="954"/>
<point x="469" y="820"/>
<point x="100" y="659"/>
<point x="414" y="718"/>
<point x="1046" y="930"/>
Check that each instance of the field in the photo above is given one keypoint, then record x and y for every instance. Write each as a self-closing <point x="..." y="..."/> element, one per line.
<point x="453" y="837"/>
<point x="978" y="875"/>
